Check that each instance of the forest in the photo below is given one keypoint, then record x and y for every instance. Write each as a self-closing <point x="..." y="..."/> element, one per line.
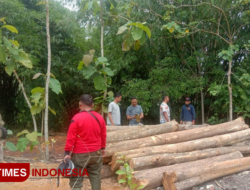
<point x="144" y="49"/>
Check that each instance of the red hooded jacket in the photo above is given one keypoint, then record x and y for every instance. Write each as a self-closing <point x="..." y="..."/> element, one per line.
<point x="85" y="134"/>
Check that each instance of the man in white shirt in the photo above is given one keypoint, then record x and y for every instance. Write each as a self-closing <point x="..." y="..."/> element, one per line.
<point x="114" y="114"/>
<point x="164" y="110"/>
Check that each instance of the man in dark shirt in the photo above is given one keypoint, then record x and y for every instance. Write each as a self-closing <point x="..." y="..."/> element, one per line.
<point x="86" y="140"/>
<point x="188" y="113"/>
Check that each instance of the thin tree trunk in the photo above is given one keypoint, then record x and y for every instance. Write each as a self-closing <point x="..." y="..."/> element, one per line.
<point x="46" y="117"/>
<point x="102" y="50"/>
<point x="202" y="108"/>
<point x="230" y="92"/>
<point x="26" y="98"/>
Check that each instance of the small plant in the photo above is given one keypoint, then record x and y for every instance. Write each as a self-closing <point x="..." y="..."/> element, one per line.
<point x="127" y="174"/>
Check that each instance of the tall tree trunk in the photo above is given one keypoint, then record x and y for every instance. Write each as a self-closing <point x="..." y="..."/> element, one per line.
<point x="46" y="116"/>
<point x="202" y="108"/>
<point x="102" y="49"/>
<point x="230" y="92"/>
<point x="26" y="98"/>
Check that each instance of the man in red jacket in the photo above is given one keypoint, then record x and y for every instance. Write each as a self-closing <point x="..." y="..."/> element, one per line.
<point x="86" y="139"/>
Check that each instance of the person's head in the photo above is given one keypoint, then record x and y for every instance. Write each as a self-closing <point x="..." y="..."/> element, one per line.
<point x="187" y="101"/>
<point x="86" y="102"/>
<point x="133" y="101"/>
<point x="165" y="98"/>
<point x="118" y="97"/>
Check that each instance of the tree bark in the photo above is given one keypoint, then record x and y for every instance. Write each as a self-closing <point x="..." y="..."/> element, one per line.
<point x="176" y="137"/>
<point x="158" y="160"/>
<point x="230" y="92"/>
<point x="208" y="172"/>
<point x="140" y="132"/>
<point x="152" y="178"/>
<point x="187" y="127"/>
<point x="211" y="142"/>
<point x="106" y="172"/>
<point x="46" y="115"/>
<point x="26" y="98"/>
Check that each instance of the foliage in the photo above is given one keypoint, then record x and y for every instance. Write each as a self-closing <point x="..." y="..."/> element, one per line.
<point x="127" y="174"/>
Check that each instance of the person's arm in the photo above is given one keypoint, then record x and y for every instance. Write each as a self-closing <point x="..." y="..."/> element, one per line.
<point x="109" y="114"/>
<point x="129" y="117"/>
<point x="103" y="137"/>
<point x="142" y="115"/>
<point x="194" y="116"/>
<point x="182" y="115"/>
<point x="70" y="141"/>
<point x="166" y="116"/>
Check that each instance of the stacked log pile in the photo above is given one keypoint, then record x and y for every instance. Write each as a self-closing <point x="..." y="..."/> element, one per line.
<point x="177" y="156"/>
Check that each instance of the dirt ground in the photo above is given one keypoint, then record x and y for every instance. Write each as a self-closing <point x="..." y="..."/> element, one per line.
<point x="240" y="181"/>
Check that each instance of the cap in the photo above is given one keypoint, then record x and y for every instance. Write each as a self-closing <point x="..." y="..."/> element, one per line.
<point x="188" y="99"/>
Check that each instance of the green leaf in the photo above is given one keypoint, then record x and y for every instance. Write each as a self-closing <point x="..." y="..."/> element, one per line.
<point x="9" y="132"/>
<point x="110" y="94"/>
<point x="90" y="4"/>
<point x="9" y="45"/>
<point x="35" y="109"/>
<point x="34" y="143"/>
<point x="39" y="134"/>
<point x="2" y="53"/>
<point x="55" y="85"/>
<point x="133" y="186"/>
<point x="88" y="71"/>
<point x="10" y="66"/>
<point x="102" y="59"/>
<point x="22" y="144"/>
<point x="136" y="33"/>
<point x="107" y="71"/>
<point x="36" y="97"/>
<point x="10" y="28"/>
<point x="111" y="5"/>
<point x="25" y="131"/>
<point x="23" y="58"/>
<point x="128" y="42"/>
<point x="15" y="43"/>
<point x="80" y="65"/>
<point x="36" y="90"/>
<point x="137" y="45"/>
<point x="120" y="161"/>
<point x="140" y="187"/>
<point x="32" y="136"/>
<point x="87" y="59"/>
<point x="121" y="29"/>
<point x="41" y="3"/>
<point x="143" y="39"/>
<point x="92" y="52"/>
<point x="52" y="111"/>
<point x="122" y="181"/>
<point x="99" y="83"/>
<point x="37" y="75"/>
<point x="10" y="146"/>
<point x="121" y="172"/>
<point x="147" y="30"/>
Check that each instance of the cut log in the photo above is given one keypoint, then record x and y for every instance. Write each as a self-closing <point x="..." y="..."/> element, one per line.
<point x="141" y="131"/>
<point x="211" y="142"/>
<point x="159" y="160"/>
<point x="187" y="127"/>
<point x="116" y="128"/>
<point x="152" y="178"/>
<point x="176" y="137"/>
<point x="106" y="172"/>
<point x="208" y="172"/>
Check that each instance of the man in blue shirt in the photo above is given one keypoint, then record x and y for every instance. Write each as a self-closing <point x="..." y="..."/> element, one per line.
<point x="134" y="111"/>
<point x="188" y="113"/>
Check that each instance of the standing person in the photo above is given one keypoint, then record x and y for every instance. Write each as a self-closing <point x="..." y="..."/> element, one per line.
<point x="114" y="114"/>
<point x="164" y="110"/>
<point x="86" y="140"/>
<point x="188" y="113"/>
<point x="134" y="112"/>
